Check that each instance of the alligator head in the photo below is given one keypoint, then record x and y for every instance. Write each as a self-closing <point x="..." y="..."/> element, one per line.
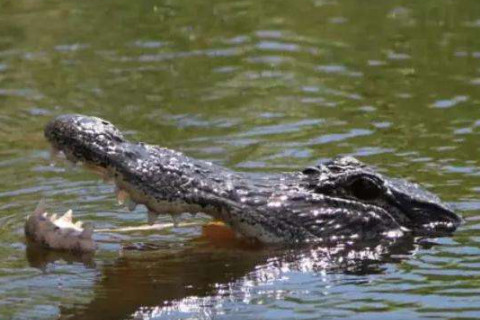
<point x="411" y="206"/>
<point x="341" y="200"/>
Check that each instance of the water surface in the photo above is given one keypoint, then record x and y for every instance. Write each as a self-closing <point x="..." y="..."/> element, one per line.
<point x="256" y="86"/>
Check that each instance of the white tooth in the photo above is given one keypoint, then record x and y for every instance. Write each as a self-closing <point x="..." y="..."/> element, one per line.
<point x="53" y="217"/>
<point x="131" y="205"/>
<point x="41" y="208"/>
<point x="67" y="217"/>
<point x="152" y="217"/>
<point x="122" y="196"/>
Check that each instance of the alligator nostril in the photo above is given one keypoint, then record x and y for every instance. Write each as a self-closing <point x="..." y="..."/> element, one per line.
<point x="311" y="171"/>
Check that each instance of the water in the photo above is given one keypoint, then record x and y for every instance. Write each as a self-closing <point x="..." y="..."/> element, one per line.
<point x="255" y="86"/>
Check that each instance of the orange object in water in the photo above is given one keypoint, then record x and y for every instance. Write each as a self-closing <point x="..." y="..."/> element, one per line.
<point x="218" y="231"/>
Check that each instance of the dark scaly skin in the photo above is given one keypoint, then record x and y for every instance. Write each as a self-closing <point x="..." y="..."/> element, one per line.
<point x="342" y="200"/>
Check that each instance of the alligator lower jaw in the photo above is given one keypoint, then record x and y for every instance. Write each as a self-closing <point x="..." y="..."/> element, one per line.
<point x="59" y="233"/>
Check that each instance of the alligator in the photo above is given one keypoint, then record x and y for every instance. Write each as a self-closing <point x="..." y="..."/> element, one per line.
<point x="340" y="200"/>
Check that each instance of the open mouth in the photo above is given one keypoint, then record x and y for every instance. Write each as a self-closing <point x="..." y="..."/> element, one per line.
<point x="126" y="194"/>
<point x="61" y="232"/>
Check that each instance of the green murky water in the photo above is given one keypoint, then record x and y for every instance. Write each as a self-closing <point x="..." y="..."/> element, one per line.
<point x="255" y="86"/>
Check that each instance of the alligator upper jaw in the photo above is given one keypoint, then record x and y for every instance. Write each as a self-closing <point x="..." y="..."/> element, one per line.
<point x="81" y="138"/>
<point x="440" y="221"/>
<point x="101" y="148"/>
<point x="88" y="141"/>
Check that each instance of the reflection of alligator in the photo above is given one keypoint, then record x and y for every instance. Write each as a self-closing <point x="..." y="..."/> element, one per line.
<point x="340" y="200"/>
<point x="195" y="278"/>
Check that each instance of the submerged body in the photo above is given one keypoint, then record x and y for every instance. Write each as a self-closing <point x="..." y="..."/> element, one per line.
<point x="340" y="200"/>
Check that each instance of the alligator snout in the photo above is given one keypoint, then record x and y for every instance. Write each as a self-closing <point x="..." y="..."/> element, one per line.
<point x="426" y="214"/>
<point x="81" y="138"/>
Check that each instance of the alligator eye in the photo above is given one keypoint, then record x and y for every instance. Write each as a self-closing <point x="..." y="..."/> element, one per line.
<point x="365" y="189"/>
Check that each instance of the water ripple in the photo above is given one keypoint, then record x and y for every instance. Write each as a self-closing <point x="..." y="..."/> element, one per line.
<point x="258" y="87"/>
